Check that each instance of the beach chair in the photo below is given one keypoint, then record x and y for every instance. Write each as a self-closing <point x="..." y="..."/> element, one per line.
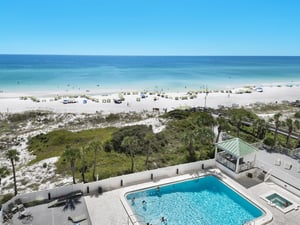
<point x="20" y="207"/>
<point x="57" y="202"/>
<point x="53" y="203"/>
<point x="277" y="162"/>
<point x="77" y="219"/>
<point x="85" y="222"/>
<point x="287" y="165"/>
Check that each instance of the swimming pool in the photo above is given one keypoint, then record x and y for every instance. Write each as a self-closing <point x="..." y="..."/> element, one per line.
<point x="277" y="200"/>
<point x="205" y="200"/>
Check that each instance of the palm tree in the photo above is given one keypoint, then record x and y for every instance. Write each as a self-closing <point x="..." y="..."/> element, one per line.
<point x="204" y="119"/>
<point x="262" y="128"/>
<point x="130" y="143"/>
<point x="205" y="136"/>
<point x="255" y="126"/>
<point x="289" y="123"/>
<point x="276" y="119"/>
<point x="83" y="151"/>
<point x="259" y="128"/>
<point x="240" y="115"/>
<point x="189" y="138"/>
<point x="13" y="156"/>
<point x="96" y="146"/>
<point x="237" y="119"/>
<point x="149" y="139"/>
<point x="71" y="154"/>
<point x="222" y="125"/>
<point x="297" y="126"/>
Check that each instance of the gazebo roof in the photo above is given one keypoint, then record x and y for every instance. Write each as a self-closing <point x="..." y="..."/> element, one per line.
<point x="236" y="147"/>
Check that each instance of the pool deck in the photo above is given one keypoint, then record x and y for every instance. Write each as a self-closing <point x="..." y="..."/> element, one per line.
<point x="42" y="215"/>
<point x="279" y="218"/>
<point x="108" y="208"/>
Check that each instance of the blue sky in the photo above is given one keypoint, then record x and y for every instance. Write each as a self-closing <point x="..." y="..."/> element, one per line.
<point x="150" y="27"/>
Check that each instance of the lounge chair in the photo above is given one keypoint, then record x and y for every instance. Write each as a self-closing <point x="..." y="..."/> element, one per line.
<point x="21" y="207"/>
<point x="287" y="165"/>
<point x="77" y="219"/>
<point x="53" y="203"/>
<point x="57" y="202"/>
<point x="277" y="162"/>
<point x="85" y="222"/>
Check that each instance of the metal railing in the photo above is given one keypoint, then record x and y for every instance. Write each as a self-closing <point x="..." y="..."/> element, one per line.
<point x="226" y="162"/>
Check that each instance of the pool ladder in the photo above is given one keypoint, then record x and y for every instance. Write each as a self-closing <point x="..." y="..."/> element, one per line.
<point x="268" y="174"/>
<point x="130" y="221"/>
<point x="251" y="222"/>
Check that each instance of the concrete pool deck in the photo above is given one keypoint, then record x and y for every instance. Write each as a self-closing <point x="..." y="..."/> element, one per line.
<point x="279" y="218"/>
<point x="42" y="215"/>
<point x="108" y="208"/>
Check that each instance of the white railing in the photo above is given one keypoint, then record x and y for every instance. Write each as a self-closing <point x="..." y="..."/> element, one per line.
<point x="245" y="166"/>
<point x="280" y="177"/>
<point x="226" y="162"/>
<point x="115" y="182"/>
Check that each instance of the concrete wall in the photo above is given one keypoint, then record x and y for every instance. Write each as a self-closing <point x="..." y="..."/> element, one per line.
<point x="115" y="182"/>
<point x="286" y="180"/>
<point x="146" y="176"/>
<point x="285" y="185"/>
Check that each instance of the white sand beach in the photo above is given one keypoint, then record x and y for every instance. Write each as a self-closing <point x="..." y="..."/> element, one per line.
<point x="11" y="102"/>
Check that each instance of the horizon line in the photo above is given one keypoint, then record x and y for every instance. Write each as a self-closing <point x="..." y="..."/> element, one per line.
<point x="125" y="55"/>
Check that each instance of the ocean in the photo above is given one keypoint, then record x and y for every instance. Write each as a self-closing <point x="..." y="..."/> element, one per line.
<point x="153" y="73"/>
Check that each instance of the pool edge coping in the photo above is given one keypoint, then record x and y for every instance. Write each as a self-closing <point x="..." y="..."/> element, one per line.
<point x="231" y="183"/>
<point x="294" y="205"/>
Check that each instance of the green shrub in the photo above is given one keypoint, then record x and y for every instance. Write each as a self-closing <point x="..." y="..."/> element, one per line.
<point x="21" y="117"/>
<point x="297" y="115"/>
<point x="5" y="198"/>
<point x="4" y="171"/>
<point x="269" y="141"/>
<point x="178" y="114"/>
<point x="138" y="131"/>
<point x="35" y="203"/>
<point x="108" y="146"/>
<point x="112" y="118"/>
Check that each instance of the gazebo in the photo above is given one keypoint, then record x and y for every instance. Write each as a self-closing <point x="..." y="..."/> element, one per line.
<point x="235" y="154"/>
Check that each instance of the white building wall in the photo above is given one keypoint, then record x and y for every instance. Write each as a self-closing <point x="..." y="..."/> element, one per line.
<point x="115" y="182"/>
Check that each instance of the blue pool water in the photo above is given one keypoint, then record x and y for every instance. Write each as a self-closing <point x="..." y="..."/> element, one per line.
<point x="279" y="200"/>
<point x="206" y="201"/>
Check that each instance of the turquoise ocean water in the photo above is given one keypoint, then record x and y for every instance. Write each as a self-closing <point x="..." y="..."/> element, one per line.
<point x="176" y="73"/>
